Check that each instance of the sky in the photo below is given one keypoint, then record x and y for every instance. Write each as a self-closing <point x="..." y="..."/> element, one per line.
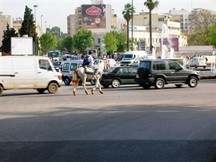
<point x="52" y="13"/>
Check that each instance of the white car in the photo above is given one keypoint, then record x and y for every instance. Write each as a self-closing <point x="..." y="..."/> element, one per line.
<point x="198" y="62"/>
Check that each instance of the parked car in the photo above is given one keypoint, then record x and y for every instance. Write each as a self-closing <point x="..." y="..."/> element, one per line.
<point x="159" y="72"/>
<point x="68" y="68"/>
<point x="198" y="62"/>
<point x="120" y="75"/>
<point x="57" y="65"/>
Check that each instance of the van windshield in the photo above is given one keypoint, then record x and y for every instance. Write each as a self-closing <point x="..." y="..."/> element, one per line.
<point x="127" y="56"/>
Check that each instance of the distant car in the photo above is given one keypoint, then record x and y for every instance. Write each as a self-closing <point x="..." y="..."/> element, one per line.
<point x="112" y="62"/>
<point x="120" y="75"/>
<point x="57" y="65"/>
<point x="159" y="72"/>
<point x="198" y="62"/>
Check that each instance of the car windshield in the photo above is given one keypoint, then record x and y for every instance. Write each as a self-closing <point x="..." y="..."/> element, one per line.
<point x="53" y="54"/>
<point x="127" y="57"/>
<point x="56" y="63"/>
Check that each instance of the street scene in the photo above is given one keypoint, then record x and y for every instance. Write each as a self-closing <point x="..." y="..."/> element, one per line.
<point x="108" y="81"/>
<point x="124" y="124"/>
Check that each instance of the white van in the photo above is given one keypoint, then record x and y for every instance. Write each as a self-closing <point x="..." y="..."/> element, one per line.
<point x="131" y="57"/>
<point x="28" y="72"/>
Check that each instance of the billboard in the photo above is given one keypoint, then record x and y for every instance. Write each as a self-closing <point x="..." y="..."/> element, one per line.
<point x="21" y="45"/>
<point x="94" y="16"/>
<point x="171" y="43"/>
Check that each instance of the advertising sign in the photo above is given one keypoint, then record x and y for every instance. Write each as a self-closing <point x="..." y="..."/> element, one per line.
<point x="94" y="16"/>
<point x="21" y="45"/>
<point x="171" y="43"/>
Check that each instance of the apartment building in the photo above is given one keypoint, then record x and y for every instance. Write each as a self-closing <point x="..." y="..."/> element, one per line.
<point x="97" y="17"/>
<point x="181" y="16"/>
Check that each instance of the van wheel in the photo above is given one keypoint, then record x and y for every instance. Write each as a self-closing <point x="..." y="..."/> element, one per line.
<point x="1" y="90"/>
<point x="67" y="81"/>
<point x="116" y="83"/>
<point x="41" y="90"/>
<point x="52" y="88"/>
<point x="192" y="82"/>
<point x="159" y="83"/>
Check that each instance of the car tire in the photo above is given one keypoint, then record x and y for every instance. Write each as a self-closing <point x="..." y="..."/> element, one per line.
<point x="116" y="83"/>
<point x="178" y="85"/>
<point x="1" y="90"/>
<point x="192" y="82"/>
<point x="67" y="81"/>
<point x="41" y="90"/>
<point x="159" y="83"/>
<point x="52" y="88"/>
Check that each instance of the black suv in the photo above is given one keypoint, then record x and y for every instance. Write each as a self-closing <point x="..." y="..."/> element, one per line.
<point x="159" y="72"/>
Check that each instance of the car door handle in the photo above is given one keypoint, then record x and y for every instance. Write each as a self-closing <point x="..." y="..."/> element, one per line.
<point x="16" y="73"/>
<point x="39" y="72"/>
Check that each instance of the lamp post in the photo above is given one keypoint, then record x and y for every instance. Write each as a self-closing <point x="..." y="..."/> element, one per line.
<point x="36" y="45"/>
<point x="45" y="25"/>
<point x="41" y="25"/>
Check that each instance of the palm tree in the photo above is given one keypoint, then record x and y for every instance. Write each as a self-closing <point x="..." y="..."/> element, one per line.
<point x="128" y="14"/>
<point x="151" y="4"/>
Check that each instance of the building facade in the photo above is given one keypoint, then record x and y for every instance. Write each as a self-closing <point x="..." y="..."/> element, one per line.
<point x="4" y="21"/>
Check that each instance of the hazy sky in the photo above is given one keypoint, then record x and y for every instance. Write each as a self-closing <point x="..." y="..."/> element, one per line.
<point x="55" y="12"/>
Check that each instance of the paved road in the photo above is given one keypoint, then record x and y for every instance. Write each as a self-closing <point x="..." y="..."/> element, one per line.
<point x="124" y="124"/>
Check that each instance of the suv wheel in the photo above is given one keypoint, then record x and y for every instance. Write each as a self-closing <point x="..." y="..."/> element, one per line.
<point x="159" y="83"/>
<point x="192" y="82"/>
<point x="1" y="90"/>
<point x="116" y="83"/>
<point x="67" y="81"/>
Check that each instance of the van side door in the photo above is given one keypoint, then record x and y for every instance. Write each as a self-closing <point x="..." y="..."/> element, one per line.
<point x="25" y="72"/>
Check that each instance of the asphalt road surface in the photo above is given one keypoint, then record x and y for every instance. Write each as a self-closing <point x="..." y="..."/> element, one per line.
<point x="125" y="124"/>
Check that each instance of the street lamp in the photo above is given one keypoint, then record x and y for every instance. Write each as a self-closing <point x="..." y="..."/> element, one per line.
<point x="41" y="25"/>
<point x="36" y="45"/>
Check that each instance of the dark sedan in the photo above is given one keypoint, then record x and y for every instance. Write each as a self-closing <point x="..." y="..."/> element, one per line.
<point x="118" y="76"/>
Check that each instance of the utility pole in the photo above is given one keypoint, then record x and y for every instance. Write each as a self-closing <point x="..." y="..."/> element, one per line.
<point x="36" y="44"/>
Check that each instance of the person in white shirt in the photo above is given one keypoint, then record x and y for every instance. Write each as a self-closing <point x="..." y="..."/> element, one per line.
<point x="89" y="61"/>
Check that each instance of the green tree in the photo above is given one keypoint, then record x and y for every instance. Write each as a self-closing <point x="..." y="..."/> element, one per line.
<point x="199" y="39"/>
<point x="29" y="27"/>
<point x="111" y="42"/>
<point x="48" y="42"/>
<point x="201" y="20"/>
<point x="6" y="42"/>
<point x="151" y="4"/>
<point x="67" y="43"/>
<point x="213" y="36"/>
<point x="127" y="14"/>
<point x="83" y="39"/>
<point x="122" y="39"/>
